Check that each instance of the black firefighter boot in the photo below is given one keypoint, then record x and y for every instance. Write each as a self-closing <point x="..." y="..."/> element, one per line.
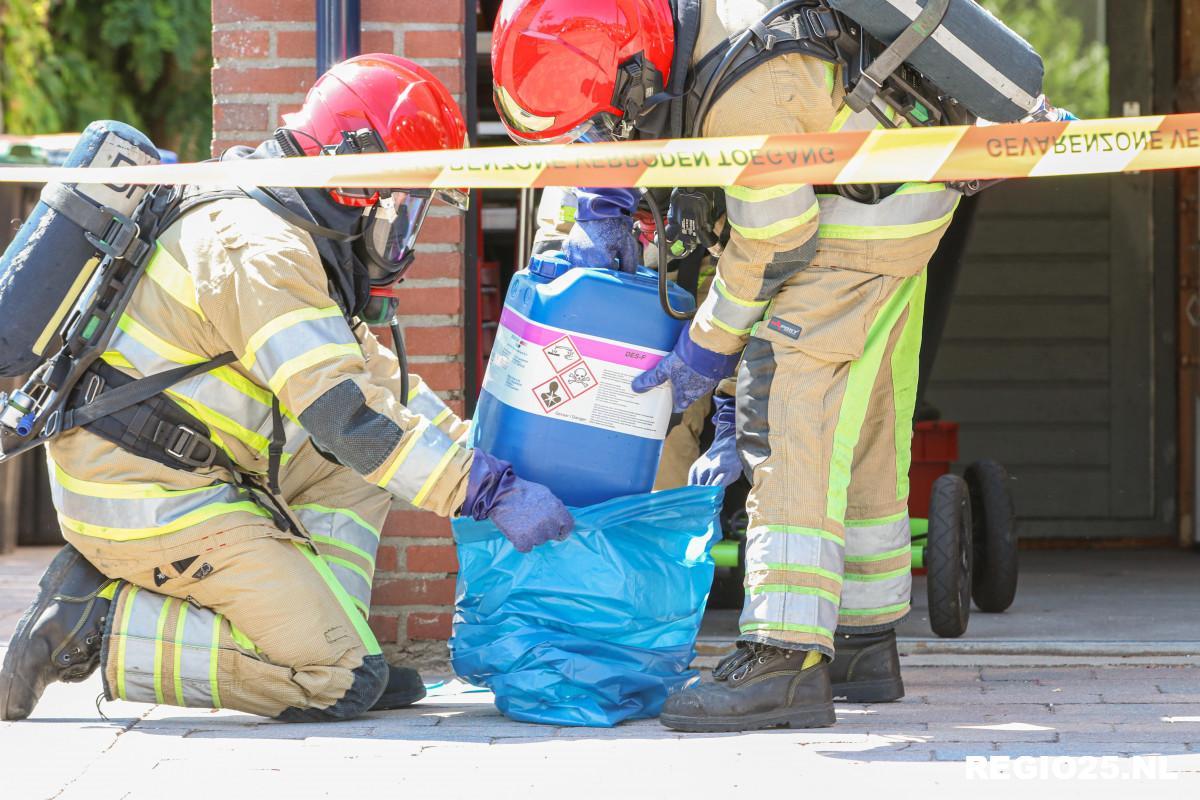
<point x="866" y="668"/>
<point x="59" y="637"/>
<point x="759" y="686"/>
<point x="404" y="687"/>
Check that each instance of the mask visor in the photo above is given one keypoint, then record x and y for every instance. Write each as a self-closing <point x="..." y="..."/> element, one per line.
<point x="390" y="235"/>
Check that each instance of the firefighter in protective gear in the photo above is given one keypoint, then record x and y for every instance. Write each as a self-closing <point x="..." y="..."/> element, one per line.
<point x="215" y="588"/>
<point x="817" y="300"/>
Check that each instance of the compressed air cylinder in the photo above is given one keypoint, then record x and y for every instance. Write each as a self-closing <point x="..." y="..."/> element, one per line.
<point x="48" y="264"/>
<point x="972" y="57"/>
<point x="556" y="399"/>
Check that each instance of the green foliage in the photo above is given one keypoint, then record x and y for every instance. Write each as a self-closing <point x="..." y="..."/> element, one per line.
<point x="145" y="62"/>
<point x="1076" y="69"/>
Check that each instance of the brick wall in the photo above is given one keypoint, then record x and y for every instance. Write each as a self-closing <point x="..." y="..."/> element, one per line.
<point x="264" y="52"/>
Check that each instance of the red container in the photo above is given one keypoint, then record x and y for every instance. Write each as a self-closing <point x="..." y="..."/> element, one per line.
<point x="934" y="449"/>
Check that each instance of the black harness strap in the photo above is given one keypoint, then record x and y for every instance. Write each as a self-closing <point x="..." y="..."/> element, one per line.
<point x="135" y="415"/>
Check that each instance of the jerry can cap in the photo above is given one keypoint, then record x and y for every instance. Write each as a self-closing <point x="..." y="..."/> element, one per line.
<point x="549" y="265"/>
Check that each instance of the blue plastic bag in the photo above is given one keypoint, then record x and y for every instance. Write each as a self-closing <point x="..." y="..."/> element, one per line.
<point x="595" y="630"/>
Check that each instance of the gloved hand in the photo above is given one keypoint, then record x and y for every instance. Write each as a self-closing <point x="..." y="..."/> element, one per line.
<point x="693" y="371"/>
<point x="720" y="466"/>
<point x="527" y="513"/>
<point x="598" y="242"/>
<point x="603" y="229"/>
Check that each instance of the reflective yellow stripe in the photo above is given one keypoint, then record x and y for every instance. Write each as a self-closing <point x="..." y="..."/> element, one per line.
<point x="749" y="195"/>
<point x="413" y="436"/>
<point x="899" y="551"/>
<point x="326" y="352"/>
<point x="116" y="359"/>
<point x="260" y="336"/>
<point x="241" y="639"/>
<point x="883" y="231"/>
<point x="127" y="612"/>
<point x="350" y="565"/>
<point x="784" y="588"/>
<point x="161" y="347"/>
<point x="729" y="329"/>
<point x="214" y="652"/>
<point x="194" y="518"/>
<point x="723" y="290"/>
<point x="346" y="512"/>
<point x="806" y="569"/>
<point x="119" y="491"/>
<point x="158" y="648"/>
<point x="777" y="228"/>
<point x="358" y="620"/>
<point x="183" y="610"/>
<point x="434" y="476"/>
<point x="440" y="418"/>
<point x="174" y="279"/>
<point x="349" y="548"/>
<point x="215" y="419"/>
<point x="877" y="576"/>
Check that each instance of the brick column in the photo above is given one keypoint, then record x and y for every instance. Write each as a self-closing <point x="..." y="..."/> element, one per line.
<point x="264" y="60"/>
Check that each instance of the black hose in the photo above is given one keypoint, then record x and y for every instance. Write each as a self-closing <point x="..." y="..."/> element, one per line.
<point x="402" y="357"/>
<point x="660" y="238"/>
<point x="731" y="54"/>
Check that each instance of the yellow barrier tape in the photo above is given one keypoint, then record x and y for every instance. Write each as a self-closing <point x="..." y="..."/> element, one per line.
<point x="888" y="156"/>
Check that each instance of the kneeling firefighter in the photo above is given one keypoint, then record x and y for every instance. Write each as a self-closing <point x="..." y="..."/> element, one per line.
<point x="818" y="297"/>
<point x="223" y="531"/>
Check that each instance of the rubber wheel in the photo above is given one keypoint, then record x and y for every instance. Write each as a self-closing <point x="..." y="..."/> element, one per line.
<point x="948" y="557"/>
<point x="994" y="572"/>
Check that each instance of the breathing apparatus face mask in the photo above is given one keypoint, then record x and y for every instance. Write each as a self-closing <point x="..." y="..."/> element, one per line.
<point x="386" y="237"/>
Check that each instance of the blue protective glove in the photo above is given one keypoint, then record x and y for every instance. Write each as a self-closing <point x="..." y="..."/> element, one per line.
<point x="527" y="513"/>
<point x="693" y="371"/>
<point x="720" y="466"/>
<point x="600" y="242"/>
<point x="603" y="230"/>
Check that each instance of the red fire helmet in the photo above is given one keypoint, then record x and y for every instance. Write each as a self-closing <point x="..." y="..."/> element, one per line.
<point x="406" y="106"/>
<point x="557" y="63"/>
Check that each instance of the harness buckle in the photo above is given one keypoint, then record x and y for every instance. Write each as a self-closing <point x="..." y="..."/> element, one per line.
<point x="184" y="449"/>
<point x="118" y="237"/>
<point x="94" y="387"/>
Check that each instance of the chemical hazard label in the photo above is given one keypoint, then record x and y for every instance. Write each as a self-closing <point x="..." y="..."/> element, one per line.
<point x="577" y="378"/>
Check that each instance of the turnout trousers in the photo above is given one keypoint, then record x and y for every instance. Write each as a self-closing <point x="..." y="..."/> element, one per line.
<point x="250" y="617"/>
<point x="825" y="395"/>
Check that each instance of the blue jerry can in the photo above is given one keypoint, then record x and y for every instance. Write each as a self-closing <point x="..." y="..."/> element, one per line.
<point x="556" y="399"/>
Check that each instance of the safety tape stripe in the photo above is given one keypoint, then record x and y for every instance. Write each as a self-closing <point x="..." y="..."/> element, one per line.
<point x="887" y="156"/>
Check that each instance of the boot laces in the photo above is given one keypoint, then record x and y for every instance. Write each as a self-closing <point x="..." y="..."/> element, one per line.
<point x="755" y="655"/>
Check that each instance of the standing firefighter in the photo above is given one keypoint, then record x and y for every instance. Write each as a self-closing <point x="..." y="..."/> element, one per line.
<point x="819" y="296"/>
<point x="223" y="534"/>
